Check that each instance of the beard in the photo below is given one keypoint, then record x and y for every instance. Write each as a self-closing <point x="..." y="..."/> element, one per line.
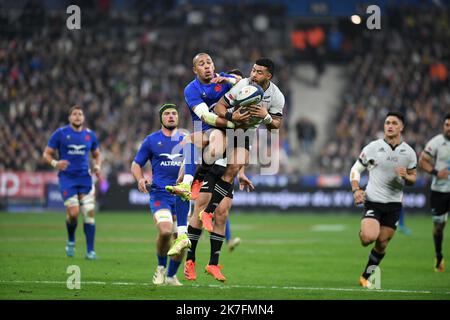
<point x="170" y="127"/>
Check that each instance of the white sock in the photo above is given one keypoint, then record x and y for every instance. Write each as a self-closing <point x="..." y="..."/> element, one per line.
<point x="188" y="179"/>
<point x="181" y="230"/>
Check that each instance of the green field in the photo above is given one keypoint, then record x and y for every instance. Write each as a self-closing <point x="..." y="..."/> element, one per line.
<point x="281" y="257"/>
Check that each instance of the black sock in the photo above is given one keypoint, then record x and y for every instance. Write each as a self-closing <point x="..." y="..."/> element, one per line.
<point x="193" y="235"/>
<point x="216" y="244"/>
<point x="201" y="171"/>
<point x="221" y="190"/>
<point x="374" y="260"/>
<point x="438" y="246"/>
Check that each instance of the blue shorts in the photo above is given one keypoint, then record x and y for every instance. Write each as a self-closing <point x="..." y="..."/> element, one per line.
<point x="164" y="200"/>
<point x="70" y="186"/>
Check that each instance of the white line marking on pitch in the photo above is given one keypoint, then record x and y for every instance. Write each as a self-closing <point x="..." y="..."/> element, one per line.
<point x="224" y="286"/>
<point x="328" y="227"/>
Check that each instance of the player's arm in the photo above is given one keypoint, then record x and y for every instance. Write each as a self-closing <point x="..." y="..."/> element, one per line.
<point x="202" y="111"/>
<point x="244" y="181"/>
<point x="426" y="163"/>
<point x="221" y="109"/>
<point x="138" y="174"/>
<point x="359" y="195"/>
<point x="231" y="80"/>
<point x="409" y="175"/>
<point x="49" y="158"/>
<point x="97" y="159"/>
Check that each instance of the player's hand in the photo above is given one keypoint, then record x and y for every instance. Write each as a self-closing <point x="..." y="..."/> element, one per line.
<point x="258" y="111"/>
<point x="443" y="174"/>
<point x="401" y="172"/>
<point x="359" y="196"/>
<point x="245" y="182"/>
<point x="97" y="170"/>
<point x="142" y="185"/>
<point x="219" y="79"/>
<point x="239" y="117"/>
<point x="62" y="165"/>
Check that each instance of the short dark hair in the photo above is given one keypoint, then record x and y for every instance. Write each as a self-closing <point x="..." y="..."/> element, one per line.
<point x="447" y="117"/>
<point x="236" y="72"/>
<point x="75" y="107"/>
<point x="266" y="62"/>
<point x="397" y="114"/>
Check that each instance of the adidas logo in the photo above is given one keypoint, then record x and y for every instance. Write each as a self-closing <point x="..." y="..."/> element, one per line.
<point x="381" y="150"/>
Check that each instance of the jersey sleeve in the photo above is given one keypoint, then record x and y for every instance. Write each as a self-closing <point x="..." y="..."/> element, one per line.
<point x="145" y="153"/>
<point x="277" y="105"/>
<point x="367" y="155"/>
<point x="431" y="148"/>
<point x="94" y="145"/>
<point x="55" y="140"/>
<point x="412" y="160"/>
<point x="192" y="96"/>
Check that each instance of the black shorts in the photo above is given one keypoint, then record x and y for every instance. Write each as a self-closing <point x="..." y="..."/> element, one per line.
<point x="387" y="214"/>
<point x="439" y="203"/>
<point x="214" y="174"/>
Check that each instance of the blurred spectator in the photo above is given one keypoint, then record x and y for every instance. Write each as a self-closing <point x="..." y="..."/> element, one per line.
<point x="117" y="70"/>
<point x="306" y="135"/>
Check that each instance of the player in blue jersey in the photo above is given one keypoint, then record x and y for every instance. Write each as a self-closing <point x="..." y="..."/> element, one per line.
<point x="200" y="95"/>
<point x="73" y="143"/>
<point x="161" y="149"/>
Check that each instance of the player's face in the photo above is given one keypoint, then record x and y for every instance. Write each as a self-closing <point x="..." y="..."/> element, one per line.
<point x="204" y="68"/>
<point x="170" y="119"/>
<point x="260" y="75"/>
<point x="447" y="128"/>
<point x="76" y="118"/>
<point x="393" y="127"/>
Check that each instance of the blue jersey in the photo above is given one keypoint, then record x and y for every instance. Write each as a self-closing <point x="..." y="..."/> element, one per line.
<point x="164" y="156"/>
<point x="74" y="147"/>
<point x="197" y="92"/>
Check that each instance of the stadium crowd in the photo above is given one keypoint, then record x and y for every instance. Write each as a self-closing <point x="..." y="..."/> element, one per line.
<point x="120" y="75"/>
<point x="122" y="66"/>
<point x="404" y="66"/>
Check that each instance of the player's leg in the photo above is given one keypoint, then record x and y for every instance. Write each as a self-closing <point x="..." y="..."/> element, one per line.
<point x="72" y="211"/>
<point x="164" y="225"/>
<point x="194" y="234"/>
<point x="401" y="224"/>
<point x="87" y="209"/>
<point x="182" y="241"/>
<point x="175" y="260"/>
<point x="231" y="242"/>
<point x="388" y="217"/>
<point x="440" y="205"/>
<point x="191" y="179"/>
<point x="70" y="197"/>
<point x="224" y="186"/>
<point x="217" y="238"/>
<point x="369" y="232"/>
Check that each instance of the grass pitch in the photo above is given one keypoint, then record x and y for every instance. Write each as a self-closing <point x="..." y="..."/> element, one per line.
<point x="282" y="256"/>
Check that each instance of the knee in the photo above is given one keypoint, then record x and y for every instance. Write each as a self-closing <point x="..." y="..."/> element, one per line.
<point x="366" y="238"/>
<point x="220" y="216"/>
<point x="165" y="234"/>
<point x="72" y="212"/>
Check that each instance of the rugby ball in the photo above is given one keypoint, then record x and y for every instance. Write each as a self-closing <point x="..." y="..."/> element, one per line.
<point x="248" y="95"/>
